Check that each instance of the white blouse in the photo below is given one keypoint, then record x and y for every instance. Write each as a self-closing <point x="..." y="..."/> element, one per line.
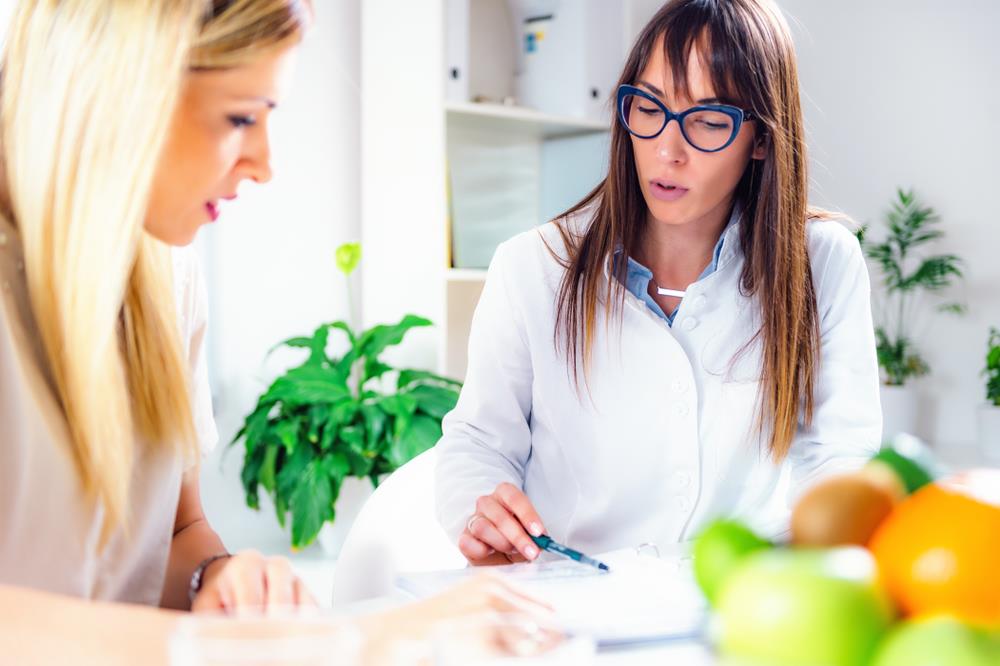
<point x="48" y="531"/>
<point x="663" y="442"/>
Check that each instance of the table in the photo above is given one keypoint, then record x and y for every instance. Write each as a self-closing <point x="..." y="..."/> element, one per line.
<point x="317" y="571"/>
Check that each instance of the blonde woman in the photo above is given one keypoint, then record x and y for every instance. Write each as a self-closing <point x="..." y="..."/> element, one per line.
<point x="125" y="124"/>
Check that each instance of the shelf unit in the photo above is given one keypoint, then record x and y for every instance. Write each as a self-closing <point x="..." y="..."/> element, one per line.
<point x="518" y="122"/>
<point x="507" y="168"/>
<point x="463" y="275"/>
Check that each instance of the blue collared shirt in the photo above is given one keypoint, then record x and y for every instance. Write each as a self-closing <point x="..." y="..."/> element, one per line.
<point x="638" y="277"/>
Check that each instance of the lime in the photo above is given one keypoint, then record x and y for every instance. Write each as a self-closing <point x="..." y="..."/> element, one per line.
<point x="911" y="473"/>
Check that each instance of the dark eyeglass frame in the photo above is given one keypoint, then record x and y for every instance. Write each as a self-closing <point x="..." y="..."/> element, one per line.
<point x="738" y="116"/>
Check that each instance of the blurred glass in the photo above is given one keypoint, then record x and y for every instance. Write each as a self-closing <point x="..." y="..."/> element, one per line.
<point x="293" y="637"/>
<point x="507" y="640"/>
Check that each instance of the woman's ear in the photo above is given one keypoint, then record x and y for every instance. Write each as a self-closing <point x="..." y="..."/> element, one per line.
<point x="760" y="144"/>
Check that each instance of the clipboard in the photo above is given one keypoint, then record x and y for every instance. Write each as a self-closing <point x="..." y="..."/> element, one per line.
<point x="644" y="599"/>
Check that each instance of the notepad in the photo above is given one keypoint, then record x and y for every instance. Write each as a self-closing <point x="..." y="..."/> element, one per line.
<point x="642" y="599"/>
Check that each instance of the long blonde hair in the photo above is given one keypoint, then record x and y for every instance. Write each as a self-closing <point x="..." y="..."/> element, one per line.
<point x="88" y="92"/>
<point x="751" y="60"/>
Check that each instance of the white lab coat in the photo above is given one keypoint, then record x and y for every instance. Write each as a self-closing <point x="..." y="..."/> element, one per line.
<point x="664" y="442"/>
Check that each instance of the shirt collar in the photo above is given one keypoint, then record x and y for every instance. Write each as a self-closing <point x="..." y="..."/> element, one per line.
<point x="723" y="248"/>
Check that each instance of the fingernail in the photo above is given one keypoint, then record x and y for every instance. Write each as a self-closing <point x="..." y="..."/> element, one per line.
<point x="531" y="552"/>
<point x="536" y="529"/>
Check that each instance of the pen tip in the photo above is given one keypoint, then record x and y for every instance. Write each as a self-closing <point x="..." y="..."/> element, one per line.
<point x="603" y="567"/>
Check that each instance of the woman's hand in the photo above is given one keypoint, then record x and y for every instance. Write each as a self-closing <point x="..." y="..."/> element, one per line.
<point x="500" y="530"/>
<point x="481" y="595"/>
<point x="248" y="580"/>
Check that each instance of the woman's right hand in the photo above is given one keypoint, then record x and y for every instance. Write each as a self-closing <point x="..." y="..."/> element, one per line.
<point x="482" y="595"/>
<point x="500" y="530"/>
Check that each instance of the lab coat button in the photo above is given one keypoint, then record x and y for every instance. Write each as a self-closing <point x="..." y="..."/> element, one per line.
<point x="681" y="409"/>
<point x="682" y="480"/>
<point x="683" y="503"/>
<point x="679" y="386"/>
<point x="689" y="324"/>
<point x="699" y="302"/>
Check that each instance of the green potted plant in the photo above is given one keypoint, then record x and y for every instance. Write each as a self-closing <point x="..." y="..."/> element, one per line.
<point x="989" y="414"/>
<point x="907" y="273"/>
<point x="336" y="424"/>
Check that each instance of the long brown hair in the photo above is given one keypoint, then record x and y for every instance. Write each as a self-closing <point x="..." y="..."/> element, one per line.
<point x="748" y="51"/>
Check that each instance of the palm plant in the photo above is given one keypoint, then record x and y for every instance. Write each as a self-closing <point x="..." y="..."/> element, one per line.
<point x="905" y="273"/>
<point x="992" y="369"/>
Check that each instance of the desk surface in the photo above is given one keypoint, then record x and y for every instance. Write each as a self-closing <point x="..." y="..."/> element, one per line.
<point x="317" y="572"/>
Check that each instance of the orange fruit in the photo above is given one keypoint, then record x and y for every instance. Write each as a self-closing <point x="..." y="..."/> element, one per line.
<point x="939" y="550"/>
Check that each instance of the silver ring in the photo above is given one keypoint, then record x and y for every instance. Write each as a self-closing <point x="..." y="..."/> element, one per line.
<point x="472" y="519"/>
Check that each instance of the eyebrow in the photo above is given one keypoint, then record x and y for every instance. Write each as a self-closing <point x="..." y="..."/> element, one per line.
<point x="252" y="98"/>
<point x="657" y="91"/>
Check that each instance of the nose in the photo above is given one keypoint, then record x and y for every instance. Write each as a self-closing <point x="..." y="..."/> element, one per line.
<point x="670" y="144"/>
<point x="255" y="163"/>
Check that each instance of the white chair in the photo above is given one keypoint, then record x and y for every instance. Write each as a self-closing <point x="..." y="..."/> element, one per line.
<point x="396" y="531"/>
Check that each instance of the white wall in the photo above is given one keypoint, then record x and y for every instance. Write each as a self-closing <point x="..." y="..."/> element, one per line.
<point x="269" y="260"/>
<point x="905" y="93"/>
<point x="403" y="171"/>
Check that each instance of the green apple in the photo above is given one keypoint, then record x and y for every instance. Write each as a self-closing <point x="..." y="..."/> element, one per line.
<point x="938" y="641"/>
<point x="804" y="606"/>
<point x="717" y="552"/>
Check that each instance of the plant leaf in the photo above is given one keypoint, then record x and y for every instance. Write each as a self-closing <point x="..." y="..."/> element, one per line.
<point x="400" y="404"/>
<point x="298" y="341"/>
<point x="933" y="273"/>
<point x="407" y="377"/>
<point x="266" y="474"/>
<point x="255" y="425"/>
<point x="378" y="338"/>
<point x="317" y="416"/>
<point x="952" y="308"/>
<point x="354" y="437"/>
<point x="423" y="433"/>
<point x="288" y="476"/>
<point x="375" y="421"/>
<point x="311" y="503"/>
<point x="308" y="384"/>
<point x="374" y="369"/>
<point x="287" y="433"/>
<point x="346" y="328"/>
<point x="250" y="474"/>
<point x="435" y="401"/>
<point x="337" y="466"/>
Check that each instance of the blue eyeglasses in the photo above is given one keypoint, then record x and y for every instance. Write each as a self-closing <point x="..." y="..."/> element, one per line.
<point x="709" y="128"/>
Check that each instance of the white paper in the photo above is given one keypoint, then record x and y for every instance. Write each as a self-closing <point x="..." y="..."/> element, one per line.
<point x="642" y="598"/>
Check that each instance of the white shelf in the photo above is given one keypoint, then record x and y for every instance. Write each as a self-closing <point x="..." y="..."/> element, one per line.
<point x="519" y="121"/>
<point x="466" y="275"/>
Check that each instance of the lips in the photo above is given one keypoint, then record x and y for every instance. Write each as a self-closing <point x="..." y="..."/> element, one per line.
<point x="666" y="190"/>
<point x="213" y="210"/>
<point x="212" y="207"/>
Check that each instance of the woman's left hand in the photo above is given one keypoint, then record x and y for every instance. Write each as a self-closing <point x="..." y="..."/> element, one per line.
<point x="250" y="581"/>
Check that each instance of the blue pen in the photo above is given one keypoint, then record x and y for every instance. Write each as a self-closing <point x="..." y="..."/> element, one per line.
<point x="545" y="542"/>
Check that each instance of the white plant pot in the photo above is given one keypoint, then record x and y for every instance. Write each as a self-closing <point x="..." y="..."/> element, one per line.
<point x="989" y="432"/>
<point x="354" y="492"/>
<point x="900" y="410"/>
